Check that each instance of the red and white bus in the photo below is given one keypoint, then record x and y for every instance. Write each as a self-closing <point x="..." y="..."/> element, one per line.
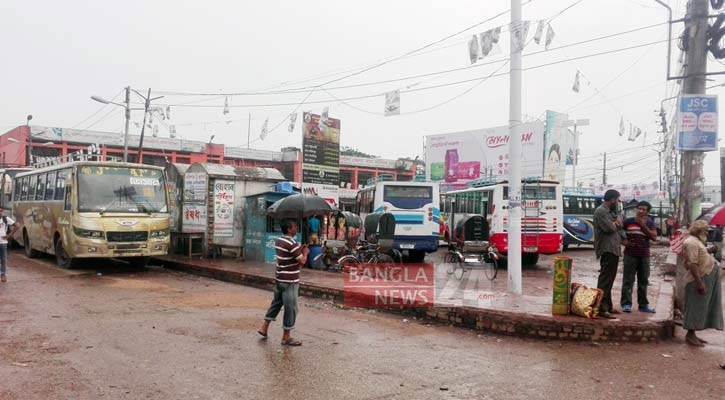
<point x="541" y="220"/>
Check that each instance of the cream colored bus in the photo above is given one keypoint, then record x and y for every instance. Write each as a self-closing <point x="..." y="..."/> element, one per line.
<point x="93" y="209"/>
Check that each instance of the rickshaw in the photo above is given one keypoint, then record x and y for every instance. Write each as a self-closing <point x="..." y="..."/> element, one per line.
<point x="470" y="249"/>
<point x="378" y="245"/>
<point x="341" y="232"/>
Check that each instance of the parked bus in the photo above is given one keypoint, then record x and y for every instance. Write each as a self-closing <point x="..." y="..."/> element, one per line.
<point x="579" y="217"/>
<point x="541" y="219"/>
<point x="416" y="210"/>
<point x="7" y="175"/>
<point x="93" y="209"/>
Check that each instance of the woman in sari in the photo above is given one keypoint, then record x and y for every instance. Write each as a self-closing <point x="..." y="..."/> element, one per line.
<point x="703" y="296"/>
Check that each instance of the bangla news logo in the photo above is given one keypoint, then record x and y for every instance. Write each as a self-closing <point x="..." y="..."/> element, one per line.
<point x="390" y="286"/>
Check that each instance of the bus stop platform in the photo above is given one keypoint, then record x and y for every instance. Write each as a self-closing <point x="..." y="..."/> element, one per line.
<point x="476" y="303"/>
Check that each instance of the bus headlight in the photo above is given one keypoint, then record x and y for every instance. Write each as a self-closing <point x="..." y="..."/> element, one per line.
<point x="88" y="233"/>
<point x="159" y="234"/>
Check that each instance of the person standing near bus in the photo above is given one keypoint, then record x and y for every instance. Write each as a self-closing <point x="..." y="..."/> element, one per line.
<point x="7" y="230"/>
<point x="608" y="248"/>
<point x="639" y="229"/>
<point x="291" y="256"/>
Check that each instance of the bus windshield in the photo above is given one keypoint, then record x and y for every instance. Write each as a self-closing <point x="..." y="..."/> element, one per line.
<point x="408" y="197"/>
<point x="121" y="189"/>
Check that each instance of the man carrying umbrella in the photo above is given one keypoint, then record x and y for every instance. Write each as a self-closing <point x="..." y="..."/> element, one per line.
<point x="290" y="257"/>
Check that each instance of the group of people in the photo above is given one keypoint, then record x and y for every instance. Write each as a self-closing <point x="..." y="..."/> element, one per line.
<point x="703" y="296"/>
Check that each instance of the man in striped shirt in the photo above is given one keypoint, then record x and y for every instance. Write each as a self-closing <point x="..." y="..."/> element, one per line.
<point x="290" y="257"/>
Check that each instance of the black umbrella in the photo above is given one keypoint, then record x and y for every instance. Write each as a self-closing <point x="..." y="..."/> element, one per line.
<point x="299" y="206"/>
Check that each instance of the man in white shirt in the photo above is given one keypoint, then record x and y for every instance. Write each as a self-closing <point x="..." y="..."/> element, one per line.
<point x="7" y="230"/>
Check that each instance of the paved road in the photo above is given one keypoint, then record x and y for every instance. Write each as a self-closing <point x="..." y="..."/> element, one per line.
<point x="156" y="334"/>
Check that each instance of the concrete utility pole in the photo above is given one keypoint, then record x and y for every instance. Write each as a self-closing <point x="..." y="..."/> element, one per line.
<point x="128" y="120"/>
<point x="514" y="227"/>
<point x="694" y="83"/>
<point x="722" y="175"/>
<point x="604" y="171"/>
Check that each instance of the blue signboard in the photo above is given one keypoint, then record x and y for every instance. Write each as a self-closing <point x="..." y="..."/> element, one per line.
<point x="698" y="123"/>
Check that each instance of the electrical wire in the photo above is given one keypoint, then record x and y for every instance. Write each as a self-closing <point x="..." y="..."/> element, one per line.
<point x="97" y="111"/>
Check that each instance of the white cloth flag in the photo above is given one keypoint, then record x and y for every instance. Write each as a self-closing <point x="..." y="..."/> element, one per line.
<point x="168" y="112"/>
<point x="473" y="49"/>
<point x="292" y="121"/>
<point x="632" y="133"/>
<point x="519" y="35"/>
<point x="226" y="105"/>
<point x="489" y="41"/>
<point x="392" y="103"/>
<point x="172" y="131"/>
<point x="156" y="131"/>
<point x="539" y="32"/>
<point x="549" y="36"/>
<point x="264" y="132"/>
<point x="576" y="82"/>
<point x="621" y="126"/>
<point x="324" y="117"/>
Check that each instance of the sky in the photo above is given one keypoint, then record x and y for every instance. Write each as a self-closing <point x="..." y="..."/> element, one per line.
<point x="59" y="53"/>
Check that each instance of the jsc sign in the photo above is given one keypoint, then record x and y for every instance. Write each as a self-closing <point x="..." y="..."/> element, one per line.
<point x="698" y="123"/>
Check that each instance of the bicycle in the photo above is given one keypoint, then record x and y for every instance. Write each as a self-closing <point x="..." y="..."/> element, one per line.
<point x="368" y="253"/>
<point x="470" y="255"/>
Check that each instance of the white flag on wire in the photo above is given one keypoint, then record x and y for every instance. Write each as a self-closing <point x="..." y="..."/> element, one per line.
<point x="156" y="131"/>
<point x="324" y="117"/>
<point x="392" y="103"/>
<point x="168" y="112"/>
<point x="632" y="133"/>
<point x="520" y="34"/>
<point x="539" y="32"/>
<point x="226" y="105"/>
<point x="621" y="126"/>
<point x="473" y="49"/>
<point x="549" y="36"/>
<point x="172" y="131"/>
<point x="292" y="121"/>
<point x="489" y="41"/>
<point x="265" y="127"/>
<point x="576" y="82"/>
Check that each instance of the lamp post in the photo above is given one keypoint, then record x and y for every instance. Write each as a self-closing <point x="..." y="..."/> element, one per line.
<point x="30" y="140"/>
<point x="127" y="108"/>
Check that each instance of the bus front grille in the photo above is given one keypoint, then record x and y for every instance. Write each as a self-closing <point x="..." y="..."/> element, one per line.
<point x="127" y="236"/>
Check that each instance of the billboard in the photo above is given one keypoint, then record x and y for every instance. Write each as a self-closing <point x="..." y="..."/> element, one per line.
<point x="559" y="146"/>
<point x="454" y="159"/>
<point x="321" y="157"/>
<point x="224" y="208"/>
<point x="698" y="123"/>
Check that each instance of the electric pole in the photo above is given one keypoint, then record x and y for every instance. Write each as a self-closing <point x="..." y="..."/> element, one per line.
<point x="696" y="27"/>
<point x="514" y="178"/>
<point x="128" y="119"/>
<point x="604" y="171"/>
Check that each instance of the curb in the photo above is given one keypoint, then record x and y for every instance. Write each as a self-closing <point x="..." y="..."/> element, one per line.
<point x="505" y="323"/>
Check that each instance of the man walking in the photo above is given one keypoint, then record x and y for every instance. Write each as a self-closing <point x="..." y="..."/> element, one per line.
<point x="607" y="246"/>
<point x="639" y="230"/>
<point x="6" y="232"/>
<point x="290" y="257"/>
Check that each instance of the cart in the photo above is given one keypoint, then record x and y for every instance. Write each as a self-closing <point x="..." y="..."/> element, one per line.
<point x="470" y="249"/>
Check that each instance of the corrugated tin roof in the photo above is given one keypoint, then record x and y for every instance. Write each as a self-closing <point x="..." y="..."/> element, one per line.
<point x="240" y="173"/>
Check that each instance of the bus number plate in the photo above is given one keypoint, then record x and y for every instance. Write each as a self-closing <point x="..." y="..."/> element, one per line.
<point x="531" y="249"/>
<point x="407" y="246"/>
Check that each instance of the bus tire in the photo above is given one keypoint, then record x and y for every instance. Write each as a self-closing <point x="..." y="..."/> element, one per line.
<point x="416" y="256"/>
<point x="29" y="251"/>
<point x="529" y="258"/>
<point x="138" y="262"/>
<point x="61" y="257"/>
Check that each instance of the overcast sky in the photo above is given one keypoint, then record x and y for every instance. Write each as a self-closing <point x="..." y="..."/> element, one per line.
<point x="58" y="53"/>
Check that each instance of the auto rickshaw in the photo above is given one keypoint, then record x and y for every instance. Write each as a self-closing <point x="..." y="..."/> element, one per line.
<point x="471" y="249"/>
<point x="341" y="232"/>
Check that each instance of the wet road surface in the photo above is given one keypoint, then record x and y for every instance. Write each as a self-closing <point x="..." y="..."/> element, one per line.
<point x="156" y="334"/>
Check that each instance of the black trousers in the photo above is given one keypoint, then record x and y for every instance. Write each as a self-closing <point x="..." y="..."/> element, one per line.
<point x="607" y="274"/>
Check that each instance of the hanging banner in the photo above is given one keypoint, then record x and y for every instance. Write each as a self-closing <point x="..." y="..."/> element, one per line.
<point x="392" y="103"/>
<point x="321" y="156"/>
<point x="454" y="159"/>
<point x="195" y="189"/>
<point x="698" y="123"/>
<point x="193" y="218"/>
<point x="224" y="208"/>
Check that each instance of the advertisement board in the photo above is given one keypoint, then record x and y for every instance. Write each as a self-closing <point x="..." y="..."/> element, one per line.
<point x="193" y="218"/>
<point x="224" y="208"/>
<point x="698" y="123"/>
<point x="454" y="159"/>
<point x="321" y="157"/>
<point x="195" y="187"/>
<point x="559" y="146"/>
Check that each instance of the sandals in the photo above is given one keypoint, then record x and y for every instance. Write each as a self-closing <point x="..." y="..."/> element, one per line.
<point x="264" y="335"/>
<point x="291" y="342"/>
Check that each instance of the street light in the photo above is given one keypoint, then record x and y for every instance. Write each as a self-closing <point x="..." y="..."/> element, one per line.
<point x="30" y="140"/>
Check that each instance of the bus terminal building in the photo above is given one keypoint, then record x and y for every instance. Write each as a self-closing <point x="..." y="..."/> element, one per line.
<point x="50" y="142"/>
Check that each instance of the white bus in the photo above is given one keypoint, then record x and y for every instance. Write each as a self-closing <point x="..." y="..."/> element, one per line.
<point x="416" y="210"/>
<point x="541" y="222"/>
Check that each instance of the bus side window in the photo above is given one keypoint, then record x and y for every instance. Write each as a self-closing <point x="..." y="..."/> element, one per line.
<point x="32" y="186"/>
<point x="50" y="186"/>
<point x="60" y="184"/>
<point x="24" y="190"/>
<point x="18" y="189"/>
<point x="40" y="191"/>
<point x="68" y="191"/>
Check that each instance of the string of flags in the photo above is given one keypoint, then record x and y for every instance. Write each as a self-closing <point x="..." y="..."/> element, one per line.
<point x="634" y="132"/>
<point x="487" y="43"/>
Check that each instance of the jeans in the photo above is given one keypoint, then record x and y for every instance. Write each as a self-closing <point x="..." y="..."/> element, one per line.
<point x="285" y="294"/>
<point x="607" y="274"/>
<point x="639" y="267"/>
<point x="3" y="258"/>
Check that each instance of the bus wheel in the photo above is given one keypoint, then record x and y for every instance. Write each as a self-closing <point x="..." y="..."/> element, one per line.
<point x="416" y="256"/>
<point x="61" y="257"/>
<point x="529" y="258"/>
<point x="138" y="262"/>
<point x="29" y="251"/>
